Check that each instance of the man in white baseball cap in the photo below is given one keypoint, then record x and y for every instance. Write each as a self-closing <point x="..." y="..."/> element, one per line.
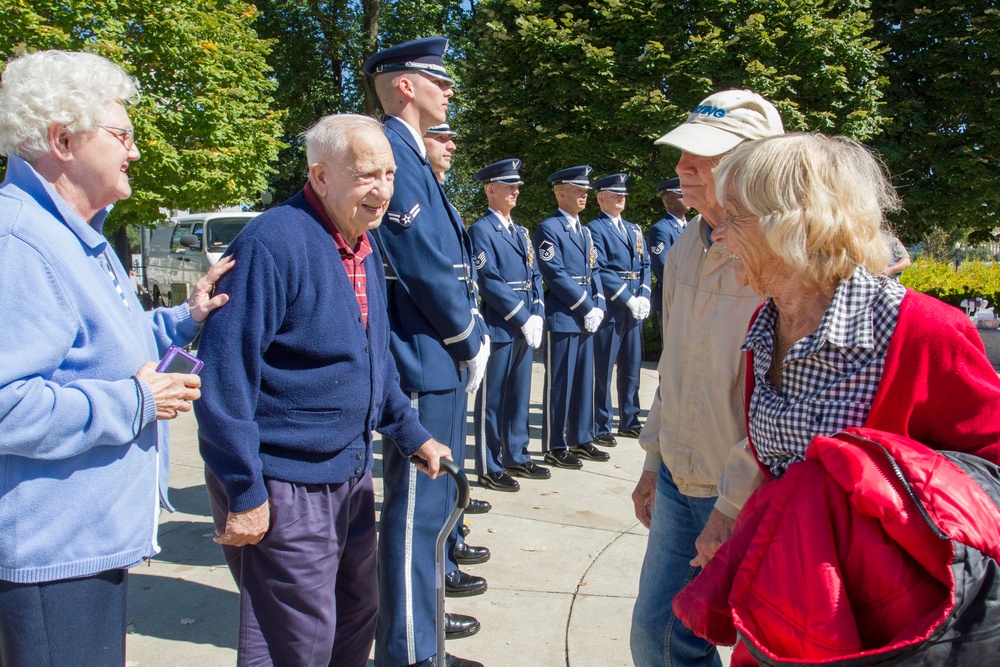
<point x="697" y="472"/>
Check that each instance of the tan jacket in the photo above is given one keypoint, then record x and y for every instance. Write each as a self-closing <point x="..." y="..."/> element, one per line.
<point x="696" y="425"/>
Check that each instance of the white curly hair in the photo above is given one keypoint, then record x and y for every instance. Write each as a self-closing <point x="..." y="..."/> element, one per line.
<point x="70" y="88"/>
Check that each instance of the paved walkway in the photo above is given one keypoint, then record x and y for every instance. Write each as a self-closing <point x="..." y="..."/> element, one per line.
<point x="562" y="578"/>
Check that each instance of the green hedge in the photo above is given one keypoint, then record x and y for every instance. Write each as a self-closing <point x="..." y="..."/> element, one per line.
<point x="930" y="276"/>
<point x="943" y="280"/>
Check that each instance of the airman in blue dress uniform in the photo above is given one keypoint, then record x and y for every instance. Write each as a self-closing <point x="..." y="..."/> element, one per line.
<point x="574" y="308"/>
<point x="624" y="268"/>
<point x="440" y="344"/>
<point x="665" y="232"/>
<point x="511" y="289"/>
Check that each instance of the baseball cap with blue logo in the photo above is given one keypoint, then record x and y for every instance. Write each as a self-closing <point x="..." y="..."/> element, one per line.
<point x="724" y="120"/>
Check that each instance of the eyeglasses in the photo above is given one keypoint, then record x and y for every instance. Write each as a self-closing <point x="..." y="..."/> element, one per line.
<point x="122" y="134"/>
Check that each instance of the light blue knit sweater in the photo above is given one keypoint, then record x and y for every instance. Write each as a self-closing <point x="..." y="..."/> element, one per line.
<point x="78" y="489"/>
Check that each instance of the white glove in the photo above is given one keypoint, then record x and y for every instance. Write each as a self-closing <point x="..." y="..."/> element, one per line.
<point x="639" y="305"/>
<point x="592" y="320"/>
<point x="532" y="330"/>
<point x="477" y="367"/>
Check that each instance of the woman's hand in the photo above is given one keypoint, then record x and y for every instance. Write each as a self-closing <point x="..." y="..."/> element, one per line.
<point x="201" y="302"/>
<point x="172" y="392"/>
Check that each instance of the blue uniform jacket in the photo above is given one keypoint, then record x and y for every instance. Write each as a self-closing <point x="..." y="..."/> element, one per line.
<point x="662" y="235"/>
<point x="430" y="281"/>
<point x="507" y="273"/>
<point x="623" y="264"/>
<point x="568" y="264"/>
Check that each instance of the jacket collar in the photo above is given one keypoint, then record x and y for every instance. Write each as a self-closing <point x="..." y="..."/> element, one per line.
<point x="24" y="177"/>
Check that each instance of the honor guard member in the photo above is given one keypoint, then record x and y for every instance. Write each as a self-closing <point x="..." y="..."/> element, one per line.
<point x="624" y="268"/>
<point x="439" y="141"/>
<point x="664" y="232"/>
<point x="574" y="308"/>
<point x="511" y="289"/>
<point x="440" y="345"/>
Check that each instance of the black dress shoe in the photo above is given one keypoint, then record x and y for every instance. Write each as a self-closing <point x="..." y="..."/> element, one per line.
<point x="449" y="661"/>
<point x="466" y="554"/>
<point x="630" y="432"/>
<point x="531" y="470"/>
<point x="562" y="458"/>
<point x="478" y="507"/>
<point x="464" y="530"/>
<point x="460" y="584"/>
<point x="499" y="481"/>
<point x="457" y="626"/>
<point x="589" y="452"/>
<point x="606" y="440"/>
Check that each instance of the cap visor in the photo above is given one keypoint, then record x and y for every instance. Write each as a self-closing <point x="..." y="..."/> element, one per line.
<point x="435" y="75"/>
<point x="700" y="140"/>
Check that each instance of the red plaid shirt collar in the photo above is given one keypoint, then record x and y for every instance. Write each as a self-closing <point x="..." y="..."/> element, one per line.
<point x="352" y="259"/>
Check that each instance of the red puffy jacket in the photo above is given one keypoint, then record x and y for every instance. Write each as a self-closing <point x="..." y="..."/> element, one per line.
<point x="836" y="561"/>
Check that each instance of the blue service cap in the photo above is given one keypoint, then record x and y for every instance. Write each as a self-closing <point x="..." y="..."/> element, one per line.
<point x="442" y="130"/>
<point x="424" y="55"/>
<point x="574" y="176"/>
<point x="614" y="183"/>
<point x="669" y="185"/>
<point x="504" y="171"/>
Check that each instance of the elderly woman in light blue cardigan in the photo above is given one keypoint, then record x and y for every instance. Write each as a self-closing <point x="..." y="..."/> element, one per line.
<point x="83" y="450"/>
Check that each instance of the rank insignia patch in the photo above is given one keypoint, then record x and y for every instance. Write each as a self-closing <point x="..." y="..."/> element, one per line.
<point x="546" y="251"/>
<point x="658" y="248"/>
<point x="480" y="260"/>
<point x="405" y="219"/>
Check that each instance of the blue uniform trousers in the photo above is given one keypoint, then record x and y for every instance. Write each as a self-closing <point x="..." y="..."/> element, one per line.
<point x="568" y="403"/>
<point x="617" y="342"/>
<point x="501" y="408"/>
<point x="414" y="509"/>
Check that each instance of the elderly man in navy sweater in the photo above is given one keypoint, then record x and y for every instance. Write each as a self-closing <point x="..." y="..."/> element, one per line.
<point x="297" y="377"/>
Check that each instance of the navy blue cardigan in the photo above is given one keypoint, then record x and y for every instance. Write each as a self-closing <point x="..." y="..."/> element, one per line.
<point x="293" y="384"/>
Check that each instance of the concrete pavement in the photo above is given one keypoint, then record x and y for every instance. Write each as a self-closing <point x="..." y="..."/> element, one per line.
<point x="563" y="576"/>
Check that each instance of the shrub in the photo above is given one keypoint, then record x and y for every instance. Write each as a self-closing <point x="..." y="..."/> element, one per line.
<point x="942" y="280"/>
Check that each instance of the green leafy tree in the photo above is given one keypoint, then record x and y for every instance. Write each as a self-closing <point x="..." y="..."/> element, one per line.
<point x="942" y="145"/>
<point x="563" y="83"/>
<point x="206" y="125"/>
<point x="317" y="55"/>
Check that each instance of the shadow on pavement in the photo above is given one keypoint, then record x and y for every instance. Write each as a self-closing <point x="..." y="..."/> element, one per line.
<point x="191" y="500"/>
<point x="184" y="611"/>
<point x="189" y="543"/>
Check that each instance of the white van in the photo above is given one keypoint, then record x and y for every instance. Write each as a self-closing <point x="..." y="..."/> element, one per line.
<point x="181" y="251"/>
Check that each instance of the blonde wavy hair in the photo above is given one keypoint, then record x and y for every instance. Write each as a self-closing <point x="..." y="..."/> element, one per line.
<point x="821" y="202"/>
<point x="70" y="88"/>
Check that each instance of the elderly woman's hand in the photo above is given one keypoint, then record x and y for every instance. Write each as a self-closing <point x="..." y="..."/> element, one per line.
<point x="172" y="392"/>
<point x="201" y="302"/>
